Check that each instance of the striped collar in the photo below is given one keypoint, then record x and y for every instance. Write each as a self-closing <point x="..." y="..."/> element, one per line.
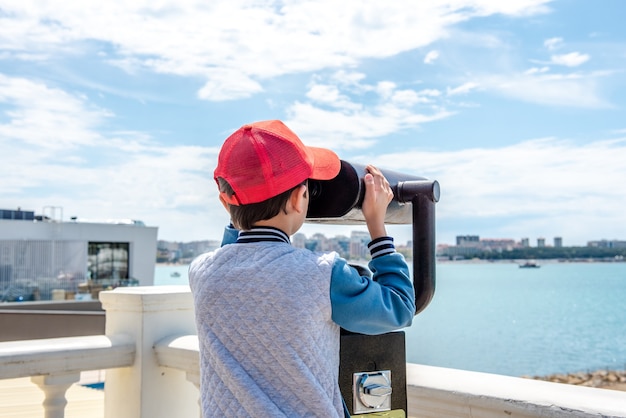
<point x="262" y="234"/>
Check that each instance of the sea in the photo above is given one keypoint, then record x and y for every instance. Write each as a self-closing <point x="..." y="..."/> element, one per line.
<point x="562" y="317"/>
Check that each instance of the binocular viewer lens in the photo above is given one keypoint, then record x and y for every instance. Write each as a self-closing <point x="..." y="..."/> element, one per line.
<point x="339" y="200"/>
<point x="315" y="189"/>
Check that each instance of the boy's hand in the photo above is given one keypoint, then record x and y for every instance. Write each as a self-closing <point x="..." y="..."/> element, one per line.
<point x="378" y="194"/>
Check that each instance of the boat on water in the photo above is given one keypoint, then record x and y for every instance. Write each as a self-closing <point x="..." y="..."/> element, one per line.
<point x="529" y="265"/>
<point x="175" y="274"/>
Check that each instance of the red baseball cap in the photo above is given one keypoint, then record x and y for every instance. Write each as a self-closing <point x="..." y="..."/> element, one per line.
<point x="264" y="159"/>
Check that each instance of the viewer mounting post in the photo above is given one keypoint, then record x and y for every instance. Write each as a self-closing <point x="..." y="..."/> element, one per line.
<point x="422" y="194"/>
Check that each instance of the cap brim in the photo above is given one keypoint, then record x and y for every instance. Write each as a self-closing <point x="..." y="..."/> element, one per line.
<point x="326" y="164"/>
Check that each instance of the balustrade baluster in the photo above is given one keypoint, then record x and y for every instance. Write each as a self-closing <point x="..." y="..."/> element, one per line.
<point x="54" y="388"/>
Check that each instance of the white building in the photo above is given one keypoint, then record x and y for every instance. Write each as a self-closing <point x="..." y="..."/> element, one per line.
<point x="39" y="259"/>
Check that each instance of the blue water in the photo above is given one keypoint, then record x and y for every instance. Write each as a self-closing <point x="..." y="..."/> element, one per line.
<point x="498" y="318"/>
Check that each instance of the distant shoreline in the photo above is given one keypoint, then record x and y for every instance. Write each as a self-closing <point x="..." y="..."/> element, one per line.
<point x="602" y="379"/>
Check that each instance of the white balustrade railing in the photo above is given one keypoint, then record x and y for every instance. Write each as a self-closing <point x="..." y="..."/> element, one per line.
<point x="150" y="351"/>
<point x="55" y="364"/>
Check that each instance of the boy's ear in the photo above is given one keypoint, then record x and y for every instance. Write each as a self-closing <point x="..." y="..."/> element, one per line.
<point x="298" y="199"/>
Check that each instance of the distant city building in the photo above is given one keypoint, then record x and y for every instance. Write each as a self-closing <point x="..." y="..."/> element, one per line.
<point x="322" y="243"/>
<point x="342" y="245"/>
<point x="167" y="245"/>
<point x="607" y="244"/>
<point x="473" y="245"/>
<point x="195" y="248"/>
<point x="358" y="244"/>
<point x="467" y="240"/>
<point x="299" y="240"/>
<point x="168" y="251"/>
<point x="497" y="244"/>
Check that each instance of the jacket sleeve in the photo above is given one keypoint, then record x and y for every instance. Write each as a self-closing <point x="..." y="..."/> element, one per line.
<point x="377" y="304"/>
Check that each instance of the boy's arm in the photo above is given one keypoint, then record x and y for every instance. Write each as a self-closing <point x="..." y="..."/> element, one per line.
<point x="374" y="305"/>
<point x="387" y="300"/>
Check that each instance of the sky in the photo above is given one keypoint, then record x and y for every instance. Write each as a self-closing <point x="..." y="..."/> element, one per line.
<point x="118" y="109"/>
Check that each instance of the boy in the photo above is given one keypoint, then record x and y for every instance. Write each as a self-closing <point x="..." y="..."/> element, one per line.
<point x="268" y="314"/>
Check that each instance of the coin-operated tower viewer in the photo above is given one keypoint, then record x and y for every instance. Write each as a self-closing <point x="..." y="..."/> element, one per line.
<point x="372" y="374"/>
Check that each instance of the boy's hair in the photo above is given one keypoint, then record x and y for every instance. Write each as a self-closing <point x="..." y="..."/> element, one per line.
<point x="245" y="216"/>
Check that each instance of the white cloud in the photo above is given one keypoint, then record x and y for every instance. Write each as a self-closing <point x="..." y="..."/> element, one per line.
<point x="406" y="98"/>
<point x="462" y="89"/>
<point x="429" y="93"/>
<point x="569" y="90"/>
<point x="553" y="43"/>
<point x="227" y="84"/>
<point x="431" y="57"/>
<point x="47" y="117"/>
<point x="56" y="151"/>
<point x="260" y="39"/>
<point x="338" y="116"/>
<point x="573" y="59"/>
<point x="153" y="184"/>
<point x="512" y="7"/>
<point x="94" y="172"/>
<point x="385" y="89"/>
<point x="330" y="95"/>
<point x="348" y="78"/>
<point x="345" y="131"/>
<point x="59" y="145"/>
<point x="555" y="187"/>
<point x="542" y="187"/>
<point x="536" y="70"/>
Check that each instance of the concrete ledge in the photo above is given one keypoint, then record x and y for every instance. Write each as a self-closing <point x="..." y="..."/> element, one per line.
<point x="54" y="305"/>
<point x="440" y="392"/>
<point x="147" y="299"/>
<point x="37" y="324"/>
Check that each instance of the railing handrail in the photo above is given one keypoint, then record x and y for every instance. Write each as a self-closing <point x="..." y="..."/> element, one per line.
<point x="438" y="391"/>
<point x="179" y="352"/>
<point x="51" y="312"/>
<point x="65" y="355"/>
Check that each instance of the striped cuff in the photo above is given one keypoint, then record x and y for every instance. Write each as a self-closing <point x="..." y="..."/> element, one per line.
<point x="381" y="246"/>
